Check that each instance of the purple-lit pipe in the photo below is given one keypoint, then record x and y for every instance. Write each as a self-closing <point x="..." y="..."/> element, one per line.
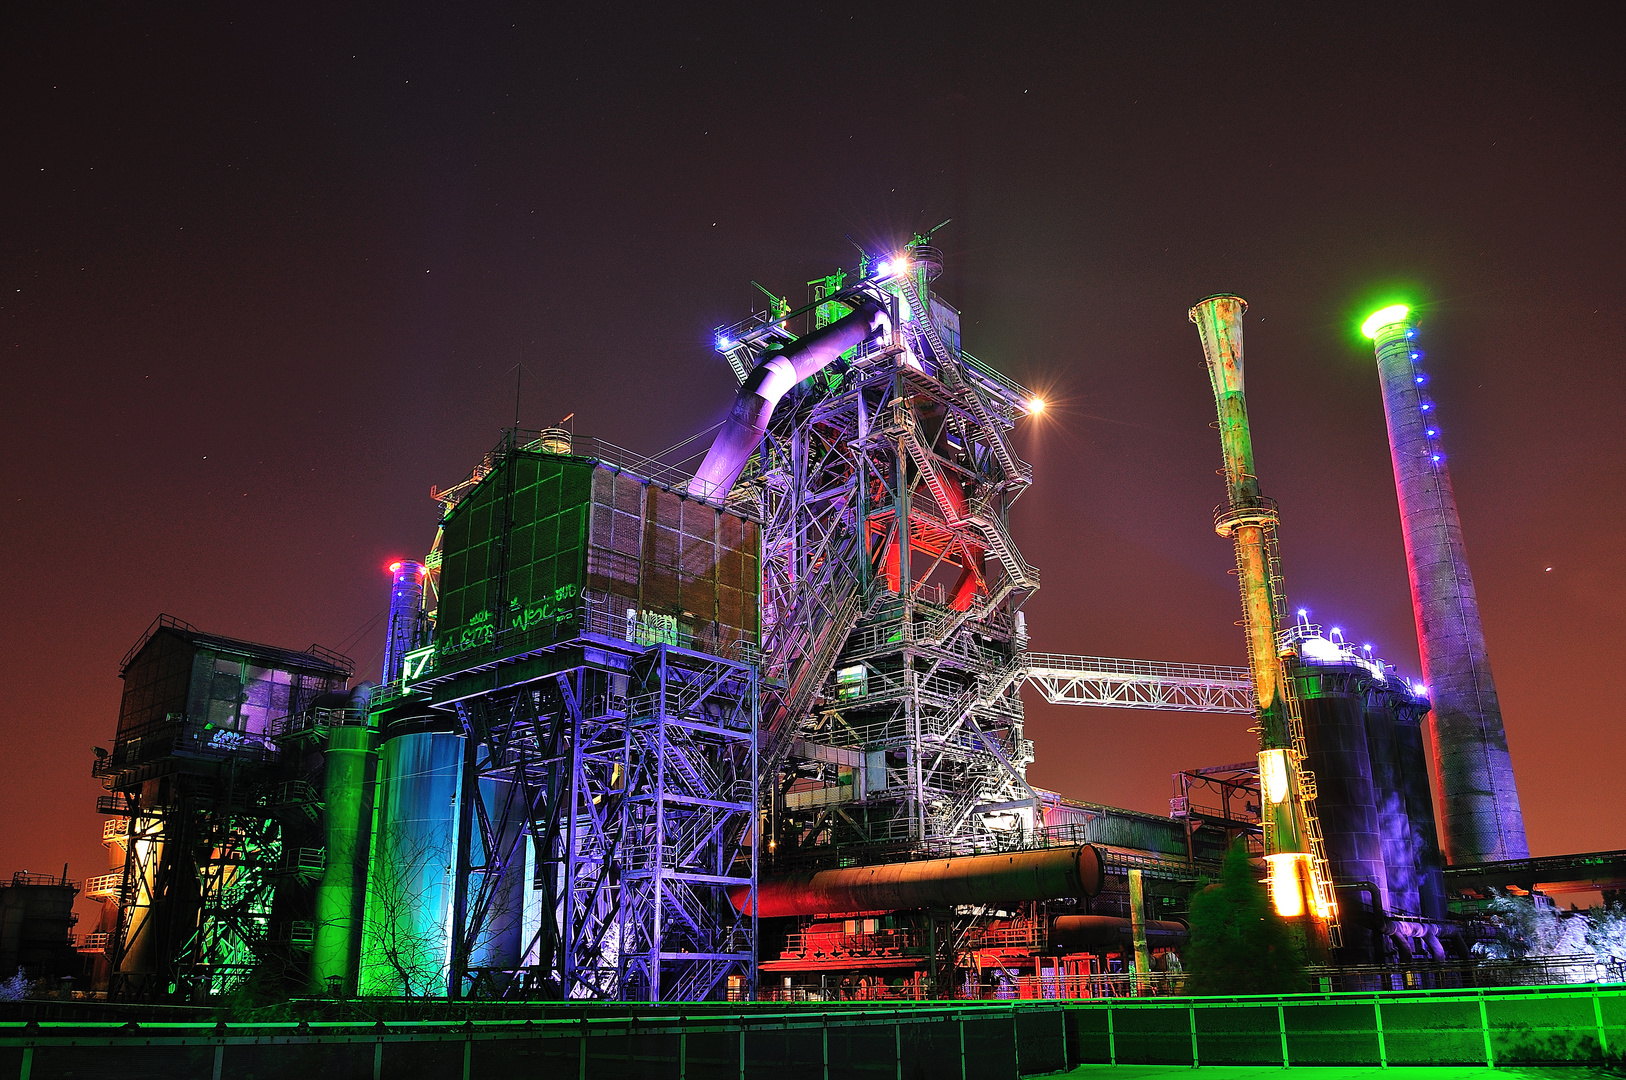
<point x="768" y="382"/>
<point x="406" y="616"/>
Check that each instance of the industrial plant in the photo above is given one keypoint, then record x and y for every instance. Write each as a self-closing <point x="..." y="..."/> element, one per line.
<point x="756" y="732"/>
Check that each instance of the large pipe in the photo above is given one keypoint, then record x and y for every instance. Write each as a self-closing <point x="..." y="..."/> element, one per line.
<point x="1013" y="878"/>
<point x="1298" y="883"/>
<point x="1482" y="819"/>
<point x="1092" y="933"/>
<point x="769" y="381"/>
<point x="1137" y="922"/>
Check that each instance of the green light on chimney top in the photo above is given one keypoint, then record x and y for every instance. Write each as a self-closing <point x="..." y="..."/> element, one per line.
<point x="1384" y="317"/>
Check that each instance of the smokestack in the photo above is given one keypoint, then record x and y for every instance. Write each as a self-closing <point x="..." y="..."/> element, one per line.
<point x="1298" y="868"/>
<point x="1480" y="816"/>
<point x="406" y="617"/>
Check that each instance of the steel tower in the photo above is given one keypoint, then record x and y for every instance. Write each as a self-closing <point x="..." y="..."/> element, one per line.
<point x="1473" y="771"/>
<point x="891" y="585"/>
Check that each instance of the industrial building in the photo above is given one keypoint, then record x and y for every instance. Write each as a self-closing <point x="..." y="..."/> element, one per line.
<point x="755" y="731"/>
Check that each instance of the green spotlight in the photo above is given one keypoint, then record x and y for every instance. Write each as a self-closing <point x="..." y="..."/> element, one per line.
<point x="1384" y="317"/>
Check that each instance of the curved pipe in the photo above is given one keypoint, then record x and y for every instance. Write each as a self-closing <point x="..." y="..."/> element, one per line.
<point x="768" y="382"/>
<point x="1082" y="932"/>
<point x="1013" y="878"/>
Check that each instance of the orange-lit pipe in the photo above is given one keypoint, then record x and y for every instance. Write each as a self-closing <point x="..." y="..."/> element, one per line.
<point x="1013" y="878"/>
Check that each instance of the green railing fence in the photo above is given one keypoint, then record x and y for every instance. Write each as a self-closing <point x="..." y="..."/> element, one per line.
<point x="993" y="1041"/>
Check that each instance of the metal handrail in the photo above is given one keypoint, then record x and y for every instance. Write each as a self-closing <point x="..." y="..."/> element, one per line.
<point x="1207" y="674"/>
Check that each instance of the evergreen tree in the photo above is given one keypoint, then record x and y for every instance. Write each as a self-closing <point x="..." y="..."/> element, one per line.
<point x="1239" y="945"/>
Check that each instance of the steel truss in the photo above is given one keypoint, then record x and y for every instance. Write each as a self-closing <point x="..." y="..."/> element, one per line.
<point x="1140" y="684"/>
<point x="614" y="818"/>
<point x="215" y="882"/>
<point x="890" y="588"/>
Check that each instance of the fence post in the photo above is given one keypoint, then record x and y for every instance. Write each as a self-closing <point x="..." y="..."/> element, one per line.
<point x="962" y="1048"/>
<point x="1484" y="1026"/>
<point x="824" y="1041"/>
<point x="1062" y="1012"/>
<point x="742" y="1049"/>
<point x="28" y="1063"/>
<point x="1383" y="1049"/>
<point x="1603" y="1037"/>
<point x="1196" y="1060"/>
<point x="1112" y="1037"/>
<point x="683" y="1052"/>
<point x="1281" y="1026"/>
<point x="897" y="1042"/>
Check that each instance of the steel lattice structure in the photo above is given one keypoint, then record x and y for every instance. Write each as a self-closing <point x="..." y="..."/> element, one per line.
<point x="616" y="786"/>
<point x="891" y="582"/>
<point x="1140" y="684"/>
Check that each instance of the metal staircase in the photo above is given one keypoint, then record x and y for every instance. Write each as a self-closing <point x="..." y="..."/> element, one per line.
<point x="1014" y="468"/>
<point x="1321" y="875"/>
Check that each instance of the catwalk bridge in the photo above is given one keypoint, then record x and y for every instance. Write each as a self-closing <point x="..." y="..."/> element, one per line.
<point x="1140" y="684"/>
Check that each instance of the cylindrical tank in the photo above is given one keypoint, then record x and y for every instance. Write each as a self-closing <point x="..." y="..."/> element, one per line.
<point x="1009" y="878"/>
<point x="1482" y="819"/>
<point x="406" y="629"/>
<point x="1333" y="701"/>
<point x="1426" y="856"/>
<point x="499" y="942"/>
<point x="406" y="932"/>
<point x="349" y="763"/>
<point x="1389" y="792"/>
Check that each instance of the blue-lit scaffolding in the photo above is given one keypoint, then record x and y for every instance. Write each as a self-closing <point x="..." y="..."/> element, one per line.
<point x="591" y="706"/>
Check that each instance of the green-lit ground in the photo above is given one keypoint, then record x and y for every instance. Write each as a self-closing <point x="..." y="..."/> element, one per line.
<point x="1331" y="1072"/>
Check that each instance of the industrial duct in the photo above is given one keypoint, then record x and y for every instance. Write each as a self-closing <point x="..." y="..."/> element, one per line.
<point x="1011" y="878"/>
<point x="1086" y="933"/>
<point x="769" y="381"/>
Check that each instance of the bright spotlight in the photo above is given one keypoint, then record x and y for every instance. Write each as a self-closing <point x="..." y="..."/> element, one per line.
<point x="883" y="268"/>
<point x="1036" y="405"/>
<point x="1384" y="317"/>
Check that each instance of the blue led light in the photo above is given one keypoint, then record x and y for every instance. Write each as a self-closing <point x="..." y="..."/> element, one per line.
<point x="1416" y="356"/>
<point x="1419" y="379"/>
<point x="1411" y="333"/>
<point x="1436" y="457"/>
<point x="1425" y="406"/>
<point x="1431" y="432"/>
<point x="724" y="344"/>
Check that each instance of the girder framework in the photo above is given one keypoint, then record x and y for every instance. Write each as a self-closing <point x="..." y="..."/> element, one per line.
<point x="615" y="810"/>
<point x="1140" y="684"/>
<point x="891" y="585"/>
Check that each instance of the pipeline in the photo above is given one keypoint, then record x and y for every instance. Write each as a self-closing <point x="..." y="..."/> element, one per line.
<point x="1010" y="878"/>
<point x="1089" y="933"/>
<point x="769" y="381"/>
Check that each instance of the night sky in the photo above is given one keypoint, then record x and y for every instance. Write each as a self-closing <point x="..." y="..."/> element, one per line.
<point x="267" y="272"/>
